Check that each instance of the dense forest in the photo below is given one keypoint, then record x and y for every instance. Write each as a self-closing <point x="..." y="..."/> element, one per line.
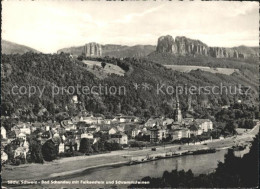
<point x="234" y="172"/>
<point x="45" y="71"/>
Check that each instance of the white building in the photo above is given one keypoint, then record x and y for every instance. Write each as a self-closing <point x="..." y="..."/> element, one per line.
<point x="3" y="132"/>
<point x="61" y="148"/>
<point x="87" y="135"/>
<point x="204" y="124"/>
<point x="25" y="130"/>
<point x="112" y="131"/>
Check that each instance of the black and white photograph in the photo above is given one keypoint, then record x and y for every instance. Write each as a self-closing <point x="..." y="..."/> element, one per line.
<point x="129" y="94"/>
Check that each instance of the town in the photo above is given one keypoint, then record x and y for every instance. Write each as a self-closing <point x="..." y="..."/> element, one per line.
<point x="87" y="134"/>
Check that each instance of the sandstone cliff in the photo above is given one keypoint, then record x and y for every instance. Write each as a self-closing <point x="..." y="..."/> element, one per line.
<point x="185" y="46"/>
<point x="92" y="49"/>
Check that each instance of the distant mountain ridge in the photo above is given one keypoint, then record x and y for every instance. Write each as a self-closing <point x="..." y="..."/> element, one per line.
<point x="14" y="48"/>
<point x="117" y="51"/>
<point x="180" y="46"/>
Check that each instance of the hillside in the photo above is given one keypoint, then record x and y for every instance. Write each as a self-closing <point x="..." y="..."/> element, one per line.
<point x="126" y="51"/>
<point x="96" y="68"/>
<point x="13" y="48"/>
<point x="247" y="50"/>
<point x="140" y="81"/>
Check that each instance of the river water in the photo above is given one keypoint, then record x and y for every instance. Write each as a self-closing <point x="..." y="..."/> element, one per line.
<point x="199" y="164"/>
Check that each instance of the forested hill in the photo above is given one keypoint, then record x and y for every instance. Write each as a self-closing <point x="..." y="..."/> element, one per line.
<point x="8" y="47"/>
<point x="141" y="79"/>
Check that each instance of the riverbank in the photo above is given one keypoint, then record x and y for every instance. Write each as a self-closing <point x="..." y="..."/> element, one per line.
<point x="74" y="165"/>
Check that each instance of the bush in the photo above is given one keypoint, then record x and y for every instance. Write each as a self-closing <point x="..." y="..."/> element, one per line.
<point x="49" y="151"/>
<point x="75" y="153"/>
<point x="125" y="145"/>
<point x="137" y="144"/>
<point x="17" y="161"/>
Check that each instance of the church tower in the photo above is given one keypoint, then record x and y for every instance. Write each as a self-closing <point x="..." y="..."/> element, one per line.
<point x="178" y="116"/>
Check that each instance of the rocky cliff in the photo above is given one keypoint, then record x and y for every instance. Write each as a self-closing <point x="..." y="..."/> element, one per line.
<point x="92" y="49"/>
<point x="185" y="46"/>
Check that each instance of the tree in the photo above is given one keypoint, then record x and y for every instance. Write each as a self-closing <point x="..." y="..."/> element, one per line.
<point x="49" y="151"/>
<point x="85" y="146"/>
<point x="35" y="149"/>
<point x="103" y="64"/>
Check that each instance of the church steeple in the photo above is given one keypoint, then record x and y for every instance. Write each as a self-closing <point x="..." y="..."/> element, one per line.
<point x="178" y="116"/>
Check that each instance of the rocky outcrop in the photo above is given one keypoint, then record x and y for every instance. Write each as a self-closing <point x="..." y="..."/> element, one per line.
<point x="166" y="44"/>
<point x="181" y="46"/>
<point x="185" y="46"/>
<point x="92" y="49"/>
<point x="219" y="52"/>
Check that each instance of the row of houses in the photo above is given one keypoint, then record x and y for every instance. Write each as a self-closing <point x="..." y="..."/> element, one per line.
<point x="192" y="127"/>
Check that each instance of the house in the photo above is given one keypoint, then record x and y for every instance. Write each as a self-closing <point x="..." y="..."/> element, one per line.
<point x="195" y="130"/>
<point x="68" y="125"/>
<point x="99" y="120"/>
<point x="36" y="125"/>
<point x="22" y="136"/>
<point x="126" y="119"/>
<point x="70" y="144"/>
<point x="204" y="124"/>
<point x="137" y="120"/>
<point x="153" y="121"/>
<point x="89" y="119"/>
<point x="47" y="127"/>
<point x="16" y="129"/>
<point x="154" y="134"/>
<point x="176" y="134"/>
<point x="225" y="107"/>
<point x="47" y="134"/>
<point x="96" y="127"/>
<point x="104" y="128"/>
<point x="135" y="132"/>
<point x="3" y="132"/>
<point x="167" y="121"/>
<point x="157" y="133"/>
<point x="4" y="157"/>
<point x="120" y="138"/>
<point x="185" y="133"/>
<point x="75" y="119"/>
<point x="107" y="121"/>
<point x="174" y="125"/>
<point x="91" y="130"/>
<point x="20" y="151"/>
<point x="112" y="131"/>
<point x="115" y="119"/>
<point x="187" y="121"/>
<point x="82" y="125"/>
<point x="61" y="147"/>
<point x="120" y="128"/>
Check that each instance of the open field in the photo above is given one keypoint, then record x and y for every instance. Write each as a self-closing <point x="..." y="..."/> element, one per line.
<point x="96" y="68"/>
<point x="182" y="68"/>
<point x="72" y="165"/>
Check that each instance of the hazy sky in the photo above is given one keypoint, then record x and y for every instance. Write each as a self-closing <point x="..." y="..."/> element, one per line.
<point x="48" y="26"/>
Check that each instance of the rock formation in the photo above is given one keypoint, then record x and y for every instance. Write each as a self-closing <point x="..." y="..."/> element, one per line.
<point x="92" y="49"/>
<point x="185" y="46"/>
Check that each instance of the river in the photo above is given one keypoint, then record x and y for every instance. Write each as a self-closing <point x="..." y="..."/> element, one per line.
<point x="199" y="164"/>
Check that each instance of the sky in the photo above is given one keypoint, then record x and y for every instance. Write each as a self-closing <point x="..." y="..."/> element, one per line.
<point x="48" y="26"/>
